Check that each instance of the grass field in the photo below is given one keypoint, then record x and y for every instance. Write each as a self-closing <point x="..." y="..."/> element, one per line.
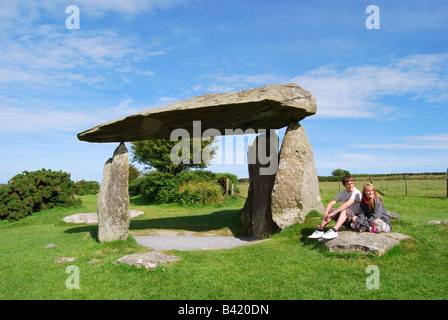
<point x="288" y="266"/>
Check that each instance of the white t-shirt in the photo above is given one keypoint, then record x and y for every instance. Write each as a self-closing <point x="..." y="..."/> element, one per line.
<point x="344" y="196"/>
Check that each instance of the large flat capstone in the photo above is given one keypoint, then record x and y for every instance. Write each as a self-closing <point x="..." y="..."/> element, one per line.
<point x="268" y="107"/>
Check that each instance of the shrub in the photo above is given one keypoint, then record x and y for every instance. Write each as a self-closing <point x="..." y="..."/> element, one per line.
<point x="188" y="187"/>
<point x="83" y="187"/>
<point x="200" y="192"/>
<point x="30" y="192"/>
<point x="158" y="187"/>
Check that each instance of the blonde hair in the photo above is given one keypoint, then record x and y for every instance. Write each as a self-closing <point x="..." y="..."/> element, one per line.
<point x="364" y="196"/>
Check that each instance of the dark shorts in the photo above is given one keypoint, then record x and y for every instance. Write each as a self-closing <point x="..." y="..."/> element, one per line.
<point x="348" y="220"/>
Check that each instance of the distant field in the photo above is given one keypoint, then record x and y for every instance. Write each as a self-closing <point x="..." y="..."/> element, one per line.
<point x="415" y="188"/>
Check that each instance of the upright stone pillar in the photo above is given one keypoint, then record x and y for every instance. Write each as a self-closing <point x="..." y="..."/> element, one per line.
<point x="296" y="188"/>
<point x="113" y="198"/>
<point x="256" y="215"/>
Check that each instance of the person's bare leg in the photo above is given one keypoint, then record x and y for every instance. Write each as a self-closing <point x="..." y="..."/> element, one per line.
<point x="326" y="220"/>
<point x="341" y="219"/>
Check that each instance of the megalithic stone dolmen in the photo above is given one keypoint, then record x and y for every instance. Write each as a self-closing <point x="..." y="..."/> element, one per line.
<point x="276" y="198"/>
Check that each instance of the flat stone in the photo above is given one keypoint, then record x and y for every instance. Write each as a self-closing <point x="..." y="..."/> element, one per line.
<point x="365" y="242"/>
<point x="193" y="243"/>
<point x="92" y="217"/>
<point x="268" y="107"/>
<point x="393" y="216"/>
<point x="51" y="245"/>
<point x="65" y="259"/>
<point x="438" y="221"/>
<point x="147" y="260"/>
<point x="94" y="260"/>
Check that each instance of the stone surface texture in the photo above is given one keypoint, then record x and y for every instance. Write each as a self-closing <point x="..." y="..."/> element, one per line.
<point x="268" y="107"/>
<point x="296" y="189"/>
<point x="113" y="198"/>
<point x="365" y="242"/>
<point x="256" y="214"/>
<point x="147" y="260"/>
<point x="438" y="221"/>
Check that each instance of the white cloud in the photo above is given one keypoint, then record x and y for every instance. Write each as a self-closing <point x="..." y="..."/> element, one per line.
<point x="222" y="83"/>
<point x="99" y="7"/>
<point x="29" y="11"/>
<point x="355" y="92"/>
<point x="430" y="142"/>
<point x="34" y="59"/>
<point x="16" y="119"/>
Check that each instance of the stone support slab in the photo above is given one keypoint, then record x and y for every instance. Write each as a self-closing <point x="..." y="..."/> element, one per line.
<point x="113" y="198"/>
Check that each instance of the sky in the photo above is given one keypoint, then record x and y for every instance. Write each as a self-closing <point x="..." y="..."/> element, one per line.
<point x="380" y="78"/>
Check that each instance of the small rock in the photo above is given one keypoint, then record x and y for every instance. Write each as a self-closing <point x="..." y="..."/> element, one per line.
<point x="65" y="259"/>
<point x="51" y="245"/>
<point x="94" y="260"/>
<point x="148" y="260"/>
<point x="393" y="215"/>
<point x="438" y="221"/>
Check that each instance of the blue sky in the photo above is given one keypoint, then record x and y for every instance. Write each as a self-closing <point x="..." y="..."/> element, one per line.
<point x="382" y="94"/>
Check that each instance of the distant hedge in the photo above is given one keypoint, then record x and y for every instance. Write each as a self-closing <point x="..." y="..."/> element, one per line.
<point x="30" y="192"/>
<point x="388" y="176"/>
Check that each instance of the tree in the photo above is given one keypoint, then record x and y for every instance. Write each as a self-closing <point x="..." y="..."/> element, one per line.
<point x="133" y="172"/>
<point x="340" y="173"/>
<point x="156" y="154"/>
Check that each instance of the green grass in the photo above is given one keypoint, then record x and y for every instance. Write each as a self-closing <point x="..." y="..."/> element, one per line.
<point x="288" y="266"/>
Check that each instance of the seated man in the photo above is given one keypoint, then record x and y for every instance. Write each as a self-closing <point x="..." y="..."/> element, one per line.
<point x="350" y="207"/>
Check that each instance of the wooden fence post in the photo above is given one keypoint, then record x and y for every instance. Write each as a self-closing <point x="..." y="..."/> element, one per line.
<point x="406" y="186"/>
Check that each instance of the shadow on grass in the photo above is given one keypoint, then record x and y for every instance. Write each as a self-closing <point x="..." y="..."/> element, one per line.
<point x="92" y="229"/>
<point x="230" y="219"/>
<point x="313" y="244"/>
<point x="217" y="220"/>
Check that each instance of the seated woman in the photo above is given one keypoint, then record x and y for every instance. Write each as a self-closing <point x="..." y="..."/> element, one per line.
<point x="373" y="215"/>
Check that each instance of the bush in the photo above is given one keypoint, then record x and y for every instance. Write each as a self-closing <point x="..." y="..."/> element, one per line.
<point x="35" y="191"/>
<point x="83" y="187"/>
<point x="189" y="187"/>
<point x="159" y="188"/>
<point x="200" y="192"/>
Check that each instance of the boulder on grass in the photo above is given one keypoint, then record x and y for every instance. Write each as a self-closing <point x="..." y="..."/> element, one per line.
<point x="363" y="242"/>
